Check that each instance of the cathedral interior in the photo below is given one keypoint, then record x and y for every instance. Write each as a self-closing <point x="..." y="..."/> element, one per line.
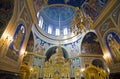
<point x="59" y="39"/>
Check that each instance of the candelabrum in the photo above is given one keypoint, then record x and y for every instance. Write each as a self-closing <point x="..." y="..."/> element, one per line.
<point x="81" y="22"/>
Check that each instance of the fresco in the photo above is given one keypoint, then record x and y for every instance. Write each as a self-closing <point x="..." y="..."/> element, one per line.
<point x="90" y="44"/>
<point x="73" y="48"/>
<point x="76" y="62"/>
<point x="38" y="4"/>
<point x="106" y="25"/>
<point x="57" y="17"/>
<point x="91" y="11"/>
<point x="53" y="50"/>
<point x="40" y="46"/>
<point x="16" y="44"/>
<point x="95" y="7"/>
<point x="113" y="44"/>
<point x="21" y="4"/>
<point x="6" y="12"/>
<point x="116" y="14"/>
<point x="30" y="44"/>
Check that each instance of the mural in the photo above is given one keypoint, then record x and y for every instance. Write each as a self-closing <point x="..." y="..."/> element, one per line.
<point x="30" y="44"/>
<point x="53" y="50"/>
<point x="113" y="44"/>
<point x="91" y="11"/>
<point x="16" y="44"/>
<point x="21" y="4"/>
<point x="95" y="7"/>
<point x="76" y="62"/>
<point x="6" y="12"/>
<point x="90" y="44"/>
<point x="40" y="45"/>
<point x="26" y="17"/>
<point x="116" y="14"/>
<point x="73" y="47"/>
<point x="38" y="4"/>
<point x="57" y="17"/>
<point x="106" y="25"/>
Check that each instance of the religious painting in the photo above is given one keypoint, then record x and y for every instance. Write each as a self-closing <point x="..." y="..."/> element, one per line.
<point x="38" y="4"/>
<point x="30" y="43"/>
<point x="90" y="11"/>
<point x="106" y="25"/>
<point x="16" y="44"/>
<point x="73" y="47"/>
<point x="113" y="44"/>
<point x="40" y="46"/>
<point x="6" y="12"/>
<point x="94" y="7"/>
<point x="21" y="4"/>
<point x="116" y="15"/>
<point x="26" y="17"/>
<point x="90" y="44"/>
<point x="53" y="50"/>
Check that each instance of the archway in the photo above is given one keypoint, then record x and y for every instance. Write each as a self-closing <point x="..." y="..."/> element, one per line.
<point x="98" y="63"/>
<point x="90" y="44"/>
<point x="52" y="51"/>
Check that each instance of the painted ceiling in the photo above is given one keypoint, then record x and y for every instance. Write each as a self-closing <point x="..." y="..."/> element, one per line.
<point x="57" y="17"/>
<point x="58" y="14"/>
<point x="6" y="11"/>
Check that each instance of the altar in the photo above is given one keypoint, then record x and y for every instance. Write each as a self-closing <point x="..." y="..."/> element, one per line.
<point x="57" y="67"/>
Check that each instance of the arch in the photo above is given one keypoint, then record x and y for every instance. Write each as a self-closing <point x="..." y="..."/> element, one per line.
<point x="52" y="51"/>
<point x="93" y="72"/>
<point x="98" y="63"/>
<point x="90" y="44"/>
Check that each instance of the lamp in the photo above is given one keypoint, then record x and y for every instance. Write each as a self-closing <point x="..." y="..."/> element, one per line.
<point x="81" y="22"/>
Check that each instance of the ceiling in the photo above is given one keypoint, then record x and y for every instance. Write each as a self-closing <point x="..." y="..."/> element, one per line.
<point x="6" y="12"/>
<point x="76" y="3"/>
<point x="55" y="18"/>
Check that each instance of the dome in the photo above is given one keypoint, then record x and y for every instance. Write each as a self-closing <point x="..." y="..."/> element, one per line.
<point x="55" y="20"/>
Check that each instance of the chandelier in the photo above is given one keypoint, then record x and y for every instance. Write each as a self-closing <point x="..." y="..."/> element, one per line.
<point x="81" y="22"/>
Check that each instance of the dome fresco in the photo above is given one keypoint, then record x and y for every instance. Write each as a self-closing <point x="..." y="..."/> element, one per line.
<point x="57" y="17"/>
<point x="54" y="18"/>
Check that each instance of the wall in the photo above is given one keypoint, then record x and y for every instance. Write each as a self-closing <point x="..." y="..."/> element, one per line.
<point x="17" y="30"/>
<point x="108" y="30"/>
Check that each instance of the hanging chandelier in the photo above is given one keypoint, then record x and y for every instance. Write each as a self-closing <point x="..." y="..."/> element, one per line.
<point x="81" y="22"/>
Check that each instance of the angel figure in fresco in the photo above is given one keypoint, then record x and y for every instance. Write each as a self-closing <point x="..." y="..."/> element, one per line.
<point x="114" y="47"/>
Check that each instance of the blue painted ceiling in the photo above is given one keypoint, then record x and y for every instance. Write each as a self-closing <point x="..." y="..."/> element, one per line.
<point x="76" y="3"/>
<point x="59" y="13"/>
